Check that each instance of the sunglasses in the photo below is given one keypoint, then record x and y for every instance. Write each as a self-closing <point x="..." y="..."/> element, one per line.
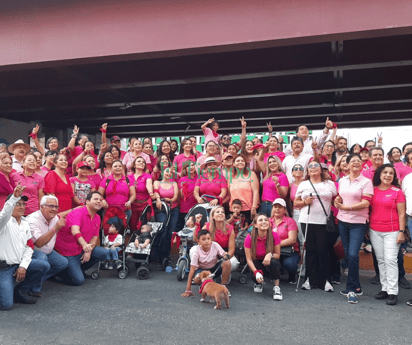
<point x="297" y="169"/>
<point x="313" y="165"/>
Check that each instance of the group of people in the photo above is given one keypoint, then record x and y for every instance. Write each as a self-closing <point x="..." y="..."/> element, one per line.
<point x="296" y="201"/>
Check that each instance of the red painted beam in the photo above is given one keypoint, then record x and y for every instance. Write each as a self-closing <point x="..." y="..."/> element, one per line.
<point x="41" y="31"/>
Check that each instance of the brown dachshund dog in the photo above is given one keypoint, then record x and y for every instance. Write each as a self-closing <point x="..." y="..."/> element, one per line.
<point x="215" y="291"/>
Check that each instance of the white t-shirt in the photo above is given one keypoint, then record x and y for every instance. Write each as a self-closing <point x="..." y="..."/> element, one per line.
<point x="407" y="190"/>
<point x="326" y="191"/>
<point x="290" y="161"/>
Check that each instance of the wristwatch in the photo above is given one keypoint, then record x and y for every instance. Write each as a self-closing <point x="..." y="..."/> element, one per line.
<point x="402" y="231"/>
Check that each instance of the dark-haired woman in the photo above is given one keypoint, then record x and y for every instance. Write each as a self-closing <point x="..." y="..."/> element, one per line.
<point x="186" y="154"/>
<point x="317" y="256"/>
<point x="106" y="162"/>
<point x="262" y="250"/>
<point x="7" y="184"/>
<point x="57" y="183"/>
<point x="186" y="185"/>
<point x="174" y="146"/>
<point x="249" y="155"/>
<point x="387" y="229"/>
<point x="210" y="128"/>
<point x="164" y="148"/>
<point x="355" y="194"/>
<point x="271" y="149"/>
<point x="394" y="155"/>
<point x="355" y="148"/>
<point x="328" y="156"/>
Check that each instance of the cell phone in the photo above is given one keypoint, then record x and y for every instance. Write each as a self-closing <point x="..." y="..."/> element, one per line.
<point x="3" y="264"/>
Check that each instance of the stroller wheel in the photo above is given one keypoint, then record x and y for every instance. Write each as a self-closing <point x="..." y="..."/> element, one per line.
<point x="165" y="263"/>
<point x="243" y="279"/>
<point x="95" y="275"/>
<point x="143" y="273"/>
<point x="181" y="271"/>
<point x="123" y="273"/>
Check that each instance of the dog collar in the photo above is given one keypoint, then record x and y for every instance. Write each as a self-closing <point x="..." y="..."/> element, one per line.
<point x="204" y="284"/>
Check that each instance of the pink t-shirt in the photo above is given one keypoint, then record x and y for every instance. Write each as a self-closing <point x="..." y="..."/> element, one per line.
<point x="368" y="172"/>
<point x="34" y="184"/>
<point x="106" y="173"/>
<point x="287" y="224"/>
<point x="129" y="158"/>
<point x="187" y="186"/>
<point x="213" y="188"/>
<point x="180" y="159"/>
<point x="351" y="193"/>
<point x="66" y="244"/>
<point x="82" y="188"/>
<point x="261" y="245"/>
<point x="167" y="193"/>
<point x="210" y="137"/>
<point x="402" y="170"/>
<point x="270" y="193"/>
<point x="384" y="216"/>
<point x="140" y="185"/>
<point x="117" y="192"/>
<point x="44" y="168"/>
<point x="97" y="179"/>
<point x="42" y="173"/>
<point x="206" y="260"/>
<point x="7" y="186"/>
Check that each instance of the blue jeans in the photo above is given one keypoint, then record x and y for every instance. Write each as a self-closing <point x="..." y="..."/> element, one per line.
<point x="166" y="236"/>
<point x="352" y="237"/>
<point x="34" y="273"/>
<point x="57" y="263"/>
<point x="73" y="273"/>
<point x="113" y="253"/>
<point x="290" y="263"/>
<point x="266" y="208"/>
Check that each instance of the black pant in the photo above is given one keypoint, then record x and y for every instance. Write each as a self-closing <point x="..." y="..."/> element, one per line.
<point x="317" y="255"/>
<point x="333" y="259"/>
<point x="273" y="269"/>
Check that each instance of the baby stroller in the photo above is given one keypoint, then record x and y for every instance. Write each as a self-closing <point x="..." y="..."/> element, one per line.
<point x="186" y="239"/>
<point x="240" y="252"/>
<point x="141" y="256"/>
<point x="112" y="215"/>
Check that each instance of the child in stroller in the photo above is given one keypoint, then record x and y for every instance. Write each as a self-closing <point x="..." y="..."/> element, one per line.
<point x="113" y="242"/>
<point x="144" y="239"/>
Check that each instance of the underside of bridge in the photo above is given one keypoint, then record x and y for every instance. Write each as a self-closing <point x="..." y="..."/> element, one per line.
<point x="356" y="79"/>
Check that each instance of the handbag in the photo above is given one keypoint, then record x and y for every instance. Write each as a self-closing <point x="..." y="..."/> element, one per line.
<point x="286" y="251"/>
<point x="330" y="222"/>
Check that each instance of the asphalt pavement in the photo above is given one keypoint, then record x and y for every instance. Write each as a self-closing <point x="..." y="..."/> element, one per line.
<point x="114" y="311"/>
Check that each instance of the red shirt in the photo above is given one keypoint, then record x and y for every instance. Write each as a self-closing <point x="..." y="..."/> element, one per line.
<point x="63" y="191"/>
<point x="66" y="244"/>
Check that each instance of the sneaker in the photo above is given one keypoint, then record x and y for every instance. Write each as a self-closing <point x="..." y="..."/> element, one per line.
<point x="328" y="287"/>
<point x="292" y="279"/>
<point x="258" y="288"/>
<point x="362" y="247"/>
<point x="306" y="285"/>
<point x="368" y="248"/>
<point x="335" y="281"/>
<point x="382" y="295"/>
<point x="403" y="283"/>
<point x="277" y="294"/>
<point x="352" y="297"/>
<point x="392" y="300"/>
<point x="345" y="271"/>
<point x="375" y="280"/>
<point x="111" y="265"/>
<point x="345" y="292"/>
<point x="409" y="302"/>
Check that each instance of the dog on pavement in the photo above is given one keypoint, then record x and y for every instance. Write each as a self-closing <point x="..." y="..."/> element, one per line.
<point x="215" y="291"/>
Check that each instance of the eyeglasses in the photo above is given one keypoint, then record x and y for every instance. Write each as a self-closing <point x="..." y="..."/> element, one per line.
<point x="52" y="206"/>
<point x="21" y="204"/>
<point x="329" y="146"/>
<point x="313" y="165"/>
<point x="226" y="138"/>
<point x="297" y="169"/>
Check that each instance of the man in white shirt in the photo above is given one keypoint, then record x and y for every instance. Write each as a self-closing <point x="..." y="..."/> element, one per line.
<point x="298" y="157"/>
<point x="16" y="249"/>
<point x="44" y="225"/>
<point x="303" y="132"/>
<point x="18" y="150"/>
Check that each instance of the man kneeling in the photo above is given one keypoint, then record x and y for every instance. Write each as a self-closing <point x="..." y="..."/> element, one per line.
<point x="78" y="238"/>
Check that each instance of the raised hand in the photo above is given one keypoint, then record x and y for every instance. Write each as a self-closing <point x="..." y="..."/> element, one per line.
<point x="18" y="191"/>
<point x="328" y="123"/>
<point x="270" y="128"/>
<point x="76" y="130"/>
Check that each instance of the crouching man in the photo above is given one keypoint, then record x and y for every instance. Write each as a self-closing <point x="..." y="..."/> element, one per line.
<point x="16" y="249"/>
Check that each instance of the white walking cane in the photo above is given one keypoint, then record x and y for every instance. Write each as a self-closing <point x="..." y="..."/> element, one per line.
<point x="304" y="247"/>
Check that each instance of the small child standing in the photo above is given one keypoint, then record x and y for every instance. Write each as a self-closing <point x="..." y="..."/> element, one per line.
<point x="144" y="239"/>
<point x="237" y="219"/>
<point x="112" y="242"/>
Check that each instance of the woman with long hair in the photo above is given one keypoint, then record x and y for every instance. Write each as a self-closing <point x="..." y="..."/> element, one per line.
<point x="262" y="250"/>
<point x="271" y="150"/>
<point x="186" y="154"/>
<point x="249" y="155"/>
<point x="387" y="229"/>
<point x="106" y="162"/>
<point x="7" y="183"/>
<point x="317" y="256"/>
<point x="136" y="150"/>
<point x="341" y="167"/>
<point x="186" y="186"/>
